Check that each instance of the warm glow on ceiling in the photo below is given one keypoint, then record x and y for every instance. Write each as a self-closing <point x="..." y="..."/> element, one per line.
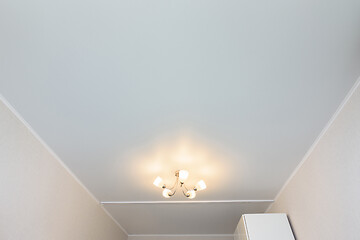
<point x="162" y="157"/>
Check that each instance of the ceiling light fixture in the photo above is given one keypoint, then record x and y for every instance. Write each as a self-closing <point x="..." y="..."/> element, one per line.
<point x="181" y="176"/>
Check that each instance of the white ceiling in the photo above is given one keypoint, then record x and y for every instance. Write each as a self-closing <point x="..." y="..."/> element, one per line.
<point x="233" y="91"/>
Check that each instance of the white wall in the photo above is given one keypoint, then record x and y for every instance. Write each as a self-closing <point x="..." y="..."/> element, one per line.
<point x="183" y="237"/>
<point x="39" y="198"/>
<point x="322" y="199"/>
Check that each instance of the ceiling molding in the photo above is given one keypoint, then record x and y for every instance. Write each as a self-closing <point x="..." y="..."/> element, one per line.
<point x="55" y="156"/>
<point x="181" y="235"/>
<point x="317" y="140"/>
<point x="187" y="202"/>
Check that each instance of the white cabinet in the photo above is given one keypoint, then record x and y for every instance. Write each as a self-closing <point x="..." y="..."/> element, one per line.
<point x="271" y="226"/>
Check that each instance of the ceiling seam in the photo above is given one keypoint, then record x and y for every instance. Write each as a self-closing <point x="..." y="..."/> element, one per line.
<point x="190" y="202"/>
<point x="179" y="235"/>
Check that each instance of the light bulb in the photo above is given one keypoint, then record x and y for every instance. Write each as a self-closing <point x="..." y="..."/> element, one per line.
<point x="191" y="194"/>
<point x="200" y="185"/>
<point x="166" y="193"/>
<point x="183" y="175"/>
<point x="158" y="182"/>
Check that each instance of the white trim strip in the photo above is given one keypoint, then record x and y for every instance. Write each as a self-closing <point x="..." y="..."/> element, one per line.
<point x="32" y="131"/>
<point x="186" y="202"/>
<point x="317" y="140"/>
<point x="181" y="235"/>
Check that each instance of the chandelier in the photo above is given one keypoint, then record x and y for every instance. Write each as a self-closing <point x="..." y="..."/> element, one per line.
<point x="181" y="176"/>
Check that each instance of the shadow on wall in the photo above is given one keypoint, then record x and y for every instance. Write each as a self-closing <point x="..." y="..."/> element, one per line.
<point x="292" y="228"/>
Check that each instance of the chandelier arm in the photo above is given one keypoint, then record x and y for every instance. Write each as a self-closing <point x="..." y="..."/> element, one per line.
<point x="186" y="195"/>
<point x="175" y="184"/>
<point x="185" y="187"/>
<point x="173" y="193"/>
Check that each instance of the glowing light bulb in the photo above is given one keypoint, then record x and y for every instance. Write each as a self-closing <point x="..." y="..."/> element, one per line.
<point x="183" y="175"/>
<point x="166" y="193"/>
<point x="200" y="185"/>
<point x="191" y="194"/>
<point x="158" y="182"/>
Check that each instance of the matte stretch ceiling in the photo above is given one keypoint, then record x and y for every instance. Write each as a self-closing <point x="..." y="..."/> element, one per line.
<point x="233" y="91"/>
